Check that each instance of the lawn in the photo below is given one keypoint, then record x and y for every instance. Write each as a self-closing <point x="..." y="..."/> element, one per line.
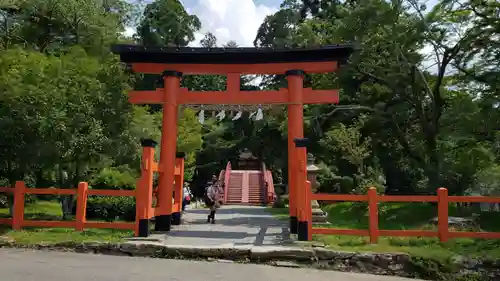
<point x="47" y="210"/>
<point x="394" y="216"/>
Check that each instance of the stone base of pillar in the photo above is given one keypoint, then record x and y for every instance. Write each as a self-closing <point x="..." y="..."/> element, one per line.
<point x="163" y="222"/>
<point x="318" y="216"/>
<point x="302" y="231"/>
<point x="176" y="218"/>
<point x="293" y="225"/>
<point x="143" y="228"/>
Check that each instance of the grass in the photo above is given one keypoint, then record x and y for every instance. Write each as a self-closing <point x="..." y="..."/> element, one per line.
<point x="279" y="213"/>
<point x="47" y="210"/>
<point x="400" y="216"/>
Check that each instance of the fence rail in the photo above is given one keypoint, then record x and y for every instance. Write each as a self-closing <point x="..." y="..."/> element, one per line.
<point x="373" y="232"/>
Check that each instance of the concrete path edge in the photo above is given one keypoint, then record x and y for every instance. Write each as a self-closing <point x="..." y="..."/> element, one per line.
<point x="394" y="264"/>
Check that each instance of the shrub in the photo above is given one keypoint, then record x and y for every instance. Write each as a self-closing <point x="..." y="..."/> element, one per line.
<point x="111" y="208"/>
<point x="280" y="203"/>
<point x="4" y="201"/>
<point x="114" y="178"/>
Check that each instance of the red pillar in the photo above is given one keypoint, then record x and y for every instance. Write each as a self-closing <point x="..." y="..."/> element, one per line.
<point x="301" y="193"/>
<point x="179" y="188"/>
<point x="144" y="188"/>
<point x="171" y="80"/>
<point x="295" y="130"/>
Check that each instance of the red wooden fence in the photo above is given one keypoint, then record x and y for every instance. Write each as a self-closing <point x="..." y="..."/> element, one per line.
<point x="143" y="195"/>
<point x="373" y="231"/>
<point x="80" y="223"/>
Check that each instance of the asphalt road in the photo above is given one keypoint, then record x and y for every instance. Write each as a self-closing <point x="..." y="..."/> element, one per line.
<point x="27" y="265"/>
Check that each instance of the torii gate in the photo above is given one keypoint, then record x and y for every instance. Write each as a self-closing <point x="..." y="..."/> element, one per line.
<point x="172" y="63"/>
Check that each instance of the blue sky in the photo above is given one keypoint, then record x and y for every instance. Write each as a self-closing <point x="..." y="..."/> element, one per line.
<point x="236" y="20"/>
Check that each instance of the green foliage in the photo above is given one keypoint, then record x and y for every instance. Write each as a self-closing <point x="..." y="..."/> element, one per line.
<point x="166" y="22"/>
<point x="111" y="208"/>
<point x="46" y="25"/>
<point x="189" y="140"/>
<point x="422" y="127"/>
<point x="350" y="143"/>
<point x="488" y="181"/>
<point x="114" y="178"/>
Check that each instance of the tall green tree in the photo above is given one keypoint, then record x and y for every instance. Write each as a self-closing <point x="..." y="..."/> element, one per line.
<point x="166" y="22"/>
<point x="55" y="25"/>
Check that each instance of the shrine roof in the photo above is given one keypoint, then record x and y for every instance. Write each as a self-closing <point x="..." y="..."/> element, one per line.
<point x="192" y="55"/>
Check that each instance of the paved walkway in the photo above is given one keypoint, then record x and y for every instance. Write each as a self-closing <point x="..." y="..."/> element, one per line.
<point x="235" y="226"/>
<point x="22" y="265"/>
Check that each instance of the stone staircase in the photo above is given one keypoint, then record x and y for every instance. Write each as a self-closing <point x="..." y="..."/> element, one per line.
<point x="256" y="192"/>
<point x="246" y="187"/>
<point x="235" y="188"/>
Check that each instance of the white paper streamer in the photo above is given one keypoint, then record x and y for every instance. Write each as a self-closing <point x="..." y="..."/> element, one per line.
<point x="237" y="116"/>
<point x="259" y="114"/>
<point x="221" y="115"/>
<point x="201" y="116"/>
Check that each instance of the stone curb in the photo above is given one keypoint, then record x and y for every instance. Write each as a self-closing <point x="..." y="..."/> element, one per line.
<point x="396" y="264"/>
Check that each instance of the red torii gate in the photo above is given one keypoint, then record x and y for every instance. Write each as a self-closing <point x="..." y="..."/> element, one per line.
<point x="172" y="63"/>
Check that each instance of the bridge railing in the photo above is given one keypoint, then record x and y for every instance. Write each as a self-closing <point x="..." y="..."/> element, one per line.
<point x="268" y="184"/>
<point x="374" y="232"/>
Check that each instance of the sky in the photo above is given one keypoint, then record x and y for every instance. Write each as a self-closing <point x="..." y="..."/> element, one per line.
<point x="236" y="20"/>
<point x="239" y="20"/>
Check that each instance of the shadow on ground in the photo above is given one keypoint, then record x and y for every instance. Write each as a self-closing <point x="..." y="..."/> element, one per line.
<point x="261" y="221"/>
<point x="237" y="225"/>
<point x="231" y="236"/>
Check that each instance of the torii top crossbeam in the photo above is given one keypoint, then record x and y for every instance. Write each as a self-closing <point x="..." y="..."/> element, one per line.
<point x="233" y="62"/>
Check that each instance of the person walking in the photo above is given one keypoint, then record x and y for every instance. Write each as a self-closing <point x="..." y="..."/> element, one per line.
<point x="187" y="196"/>
<point x="213" y="198"/>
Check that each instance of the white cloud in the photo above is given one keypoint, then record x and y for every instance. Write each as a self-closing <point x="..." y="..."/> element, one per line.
<point x="236" y="20"/>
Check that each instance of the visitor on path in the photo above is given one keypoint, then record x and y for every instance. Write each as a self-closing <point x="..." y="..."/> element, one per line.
<point x="187" y="196"/>
<point x="212" y="198"/>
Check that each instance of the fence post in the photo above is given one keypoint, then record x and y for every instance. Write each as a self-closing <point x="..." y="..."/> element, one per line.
<point x="18" y="215"/>
<point x="308" y="209"/>
<point x="178" y="188"/>
<point x="144" y="188"/>
<point x="81" y="205"/>
<point x="443" y="214"/>
<point x="373" y="215"/>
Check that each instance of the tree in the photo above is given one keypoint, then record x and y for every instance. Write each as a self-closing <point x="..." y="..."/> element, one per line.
<point x="277" y="29"/>
<point x="69" y="123"/>
<point x="209" y="41"/>
<point x="406" y="104"/>
<point x="55" y="25"/>
<point x="166" y="22"/>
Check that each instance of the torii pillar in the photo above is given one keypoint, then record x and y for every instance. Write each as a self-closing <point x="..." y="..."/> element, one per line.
<point x="171" y="80"/>
<point x="295" y="80"/>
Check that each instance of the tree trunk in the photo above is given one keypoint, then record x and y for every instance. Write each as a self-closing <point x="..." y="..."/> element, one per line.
<point x="65" y="200"/>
